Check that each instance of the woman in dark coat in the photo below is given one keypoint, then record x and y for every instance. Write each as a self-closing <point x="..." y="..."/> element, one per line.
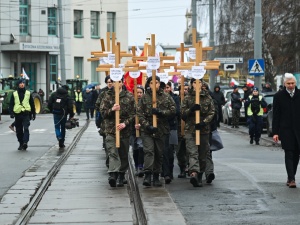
<point x="286" y="125"/>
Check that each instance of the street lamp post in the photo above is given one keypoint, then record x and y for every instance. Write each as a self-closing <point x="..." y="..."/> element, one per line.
<point x="258" y="39"/>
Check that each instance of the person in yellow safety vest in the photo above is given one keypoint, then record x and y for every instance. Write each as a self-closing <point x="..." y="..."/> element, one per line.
<point x="22" y="108"/>
<point x="78" y="101"/>
<point x="255" y="104"/>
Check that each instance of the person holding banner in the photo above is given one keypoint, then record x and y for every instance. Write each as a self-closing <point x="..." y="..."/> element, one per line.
<point x="197" y="153"/>
<point x="118" y="157"/>
<point x="154" y="137"/>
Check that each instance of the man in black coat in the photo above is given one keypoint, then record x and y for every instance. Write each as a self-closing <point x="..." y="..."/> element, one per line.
<point x="286" y="125"/>
<point x="219" y="97"/>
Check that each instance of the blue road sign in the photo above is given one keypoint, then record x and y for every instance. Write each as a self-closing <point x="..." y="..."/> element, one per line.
<point x="256" y="67"/>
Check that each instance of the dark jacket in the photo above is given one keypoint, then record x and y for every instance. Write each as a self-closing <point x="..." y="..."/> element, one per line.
<point x="21" y="93"/>
<point x="218" y="96"/>
<point x="62" y="93"/>
<point x="88" y="99"/>
<point x="286" y="119"/>
<point x="235" y="100"/>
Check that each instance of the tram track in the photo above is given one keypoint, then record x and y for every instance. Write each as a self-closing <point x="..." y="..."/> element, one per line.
<point x="132" y="187"/>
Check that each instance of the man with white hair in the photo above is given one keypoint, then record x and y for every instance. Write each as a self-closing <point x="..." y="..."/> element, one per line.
<point x="286" y="125"/>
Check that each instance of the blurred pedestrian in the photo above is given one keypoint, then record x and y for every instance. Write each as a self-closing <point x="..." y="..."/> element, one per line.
<point x="267" y="88"/>
<point x="255" y="104"/>
<point x="78" y="100"/>
<point x="61" y="105"/>
<point x="22" y="108"/>
<point x="41" y="94"/>
<point x="236" y="105"/>
<point x="89" y="103"/>
<point x="219" y="97"/>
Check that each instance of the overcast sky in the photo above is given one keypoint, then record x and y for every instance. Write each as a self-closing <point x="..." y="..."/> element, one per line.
<point x="164" y="18"/>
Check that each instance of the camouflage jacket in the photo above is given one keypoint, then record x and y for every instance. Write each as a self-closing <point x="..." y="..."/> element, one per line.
<point x="127" y="112"/>
<point x="165" y="103"/>
<point x="207" y="111"/>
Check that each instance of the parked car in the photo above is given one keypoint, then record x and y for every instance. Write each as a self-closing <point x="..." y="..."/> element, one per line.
<point x="268" y="96"/>
<point x="227" y="110"/>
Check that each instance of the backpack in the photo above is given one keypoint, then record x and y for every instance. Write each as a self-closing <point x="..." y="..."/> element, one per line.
<point x="60" y="105"/>
<point x="255" y="105"/>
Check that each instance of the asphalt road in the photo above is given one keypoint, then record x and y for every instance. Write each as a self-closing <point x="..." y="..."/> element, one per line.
<point x="249" y="187"/>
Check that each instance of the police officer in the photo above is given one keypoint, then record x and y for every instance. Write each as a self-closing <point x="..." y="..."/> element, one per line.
<point x="78" y="101"/>
<point x="197" y="154"/>
<point x="61" y="104"/>
<point x="118" y="157"/>
<point x="23" y="110"/>
<point x="154" y="137"/>
<point x="255" y="104"/>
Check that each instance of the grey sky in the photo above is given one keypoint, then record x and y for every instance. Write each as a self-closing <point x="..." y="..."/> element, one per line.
<point x="164" y="18"/>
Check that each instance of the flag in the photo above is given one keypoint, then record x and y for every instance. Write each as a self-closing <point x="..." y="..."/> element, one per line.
<point x="233" y="82"/>
<point x="250" y="83"/>
<point x="129" y="82"/>
<point x="24" y="74"/>
<point x="138" y="51"/>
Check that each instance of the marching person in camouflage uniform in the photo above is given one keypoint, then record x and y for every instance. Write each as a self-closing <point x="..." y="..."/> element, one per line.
<point x="118" y="157"/>
<point x="197" y="154"/>
<point x="154" y="137"/>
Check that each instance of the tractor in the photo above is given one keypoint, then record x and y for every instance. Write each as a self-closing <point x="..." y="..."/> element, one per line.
<point x="9" y="85"/>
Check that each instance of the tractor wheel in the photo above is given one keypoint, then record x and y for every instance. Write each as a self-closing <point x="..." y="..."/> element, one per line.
<point x="37" y="103"/>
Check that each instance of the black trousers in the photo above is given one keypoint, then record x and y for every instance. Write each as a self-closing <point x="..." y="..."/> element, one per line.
<point x="291" y="163"/>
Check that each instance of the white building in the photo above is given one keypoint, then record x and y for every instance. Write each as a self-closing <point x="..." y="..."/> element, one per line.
<point x="30" y="39"/>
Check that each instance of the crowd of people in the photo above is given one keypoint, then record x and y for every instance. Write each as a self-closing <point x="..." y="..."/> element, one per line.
<point x="171" y="127"/>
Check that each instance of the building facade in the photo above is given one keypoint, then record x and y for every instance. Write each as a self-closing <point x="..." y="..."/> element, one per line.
<point x="31" y="41"/>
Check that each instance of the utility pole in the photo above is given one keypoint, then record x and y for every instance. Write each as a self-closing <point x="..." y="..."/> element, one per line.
<point x="212" y="74"/>
<point x="61" y="43"/>
<point x="258" y="39"/>
<point x="194" y="14"/>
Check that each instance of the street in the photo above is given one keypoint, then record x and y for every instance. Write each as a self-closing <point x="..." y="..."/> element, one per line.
<point x="249" y="187"/>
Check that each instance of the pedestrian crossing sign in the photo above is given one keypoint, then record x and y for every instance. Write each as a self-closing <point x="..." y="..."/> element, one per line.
<point x="256" y="67"/>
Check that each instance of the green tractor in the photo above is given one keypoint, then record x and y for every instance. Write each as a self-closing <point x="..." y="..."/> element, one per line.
<point x="9" y="85"/>
<point x="74" y="84"/>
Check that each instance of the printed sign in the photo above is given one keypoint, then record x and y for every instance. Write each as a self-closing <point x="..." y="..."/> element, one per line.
<point x="164" y="77"/>
<point x="192" y="53"/>
<point x="198" y="72"/>
<point x="111" y="58"/>
<point x="153" y="63"/>
<point x="116" y="74"/>
<point x="134" y="74"/>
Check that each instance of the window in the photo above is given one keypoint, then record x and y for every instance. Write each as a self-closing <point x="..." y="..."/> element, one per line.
<point x="53" y="68"/>
<point x="77" y="22"/>
<point x="52" y="21"/>
<point x="24" y="21"/>
<point x="94" y="74"/>
<point x="95" y="24"/>
<point x="111" y="22"/>
<point x="78" y="66"/>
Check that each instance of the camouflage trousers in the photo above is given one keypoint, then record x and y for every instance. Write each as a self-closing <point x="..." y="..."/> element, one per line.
<point x="197" y="154"/>
<point x="209" y="164"/>
<point x="153" y="153"/>
<point x="236" y="113"/>
<point x="118" y="157"/>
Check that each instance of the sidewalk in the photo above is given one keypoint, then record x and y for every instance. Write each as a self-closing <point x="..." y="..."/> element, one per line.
<point x="80" y="193"/>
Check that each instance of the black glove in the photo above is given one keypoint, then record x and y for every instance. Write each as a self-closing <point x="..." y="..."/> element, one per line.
<point x="195" y="107"/>
<point x="12" y="116"/>
<point x="198" y="126"/>
<point x="33" y="116"/>
<point x="156" y="111"/>
<point x="151" y="129"/>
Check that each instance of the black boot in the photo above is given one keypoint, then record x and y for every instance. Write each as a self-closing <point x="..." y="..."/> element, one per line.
<point x="251" y="140"/>
<point x="112" y="179"/>
<point x="25" y="146"/>
<point x="156" y="181"/>
<point x="120" y="180"/>
<point x="21" y="146"/>
<point x="210" y="177"/>
<point x="194" y="179"/>
<point x="182" y="172"/>
<point x="147" y="179"/>
<point x="200" y="179"/>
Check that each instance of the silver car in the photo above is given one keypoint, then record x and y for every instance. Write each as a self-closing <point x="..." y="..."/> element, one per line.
<point x="227" y="110"/>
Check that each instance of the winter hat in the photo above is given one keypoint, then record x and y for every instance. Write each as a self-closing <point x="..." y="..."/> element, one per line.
<point x="21" y="81"/>
<point x="255" y="89"/>
<point x="234" y="87"/>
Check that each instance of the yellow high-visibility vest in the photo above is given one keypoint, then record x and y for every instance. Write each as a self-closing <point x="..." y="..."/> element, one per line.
<point x="249" y="111"/>
<point x="24" y="106"/>
<point x="78" y="97"/>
